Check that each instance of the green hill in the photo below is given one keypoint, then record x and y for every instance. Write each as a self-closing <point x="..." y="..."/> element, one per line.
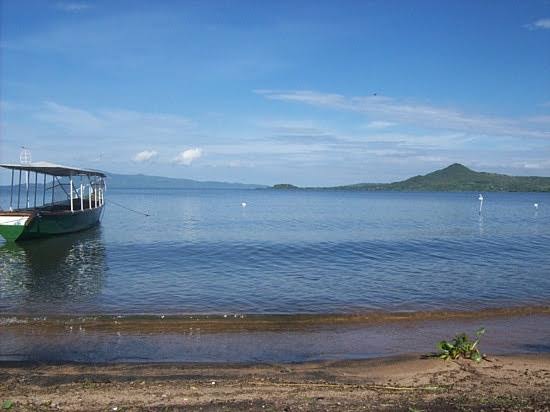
<point x="285" y="186"/>
<point x="458" y="178"/>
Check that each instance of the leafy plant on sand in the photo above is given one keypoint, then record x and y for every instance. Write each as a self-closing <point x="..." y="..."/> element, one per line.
<point x="7" y="404"/>
<point x="461" y="346"/>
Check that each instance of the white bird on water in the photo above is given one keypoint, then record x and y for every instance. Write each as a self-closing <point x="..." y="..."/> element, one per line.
<point x="536" y="205"/>
<point x="243" y="204"/>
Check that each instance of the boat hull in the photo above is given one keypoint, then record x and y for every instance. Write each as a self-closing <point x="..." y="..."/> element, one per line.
<point x="17" y="226"/>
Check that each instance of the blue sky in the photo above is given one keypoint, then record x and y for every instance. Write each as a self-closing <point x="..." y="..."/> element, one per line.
<point x="306" y="92"/>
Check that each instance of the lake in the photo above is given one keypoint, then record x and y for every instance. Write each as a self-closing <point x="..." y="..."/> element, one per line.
<point x="288" y="252"/>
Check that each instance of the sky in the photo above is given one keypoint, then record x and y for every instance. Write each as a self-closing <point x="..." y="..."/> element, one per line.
<point x="303" y="92"/>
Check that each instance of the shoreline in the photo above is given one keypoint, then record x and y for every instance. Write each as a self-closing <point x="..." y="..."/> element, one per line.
<point x="279" y="339"/>
<point x="241" y="322"/>
<point x="396" y="383"/>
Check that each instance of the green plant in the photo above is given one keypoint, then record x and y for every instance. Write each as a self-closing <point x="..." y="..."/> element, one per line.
<point x="7" y="404"/>
<point x="461" y="346"/>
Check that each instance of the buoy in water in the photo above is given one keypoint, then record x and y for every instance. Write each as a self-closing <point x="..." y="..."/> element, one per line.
<point x="480" y="198"/>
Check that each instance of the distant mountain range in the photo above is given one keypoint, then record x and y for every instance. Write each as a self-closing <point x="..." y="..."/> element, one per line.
<point x="116" y="181"/>
<point x="454" y="178"/>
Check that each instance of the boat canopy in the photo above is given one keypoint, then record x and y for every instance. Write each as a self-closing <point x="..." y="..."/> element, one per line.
<point x="53" y="169"/>
<point x="72" y="188"/>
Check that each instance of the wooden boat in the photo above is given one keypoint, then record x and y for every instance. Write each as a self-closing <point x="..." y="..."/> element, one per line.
<point x="63" y="200"/>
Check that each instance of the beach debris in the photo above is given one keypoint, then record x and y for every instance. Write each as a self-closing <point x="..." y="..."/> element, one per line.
<point x="213" y="382"/>
<point x="115" y="408"/>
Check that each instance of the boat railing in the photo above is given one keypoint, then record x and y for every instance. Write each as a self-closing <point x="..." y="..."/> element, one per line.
<point x="79" y="192"/>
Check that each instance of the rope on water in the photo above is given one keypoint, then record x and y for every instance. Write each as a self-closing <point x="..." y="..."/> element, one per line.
<point x="127" y="208"/>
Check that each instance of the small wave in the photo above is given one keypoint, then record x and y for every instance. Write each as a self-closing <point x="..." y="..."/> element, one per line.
<point x="12" y="321"/>
<point x="223" y="323"/>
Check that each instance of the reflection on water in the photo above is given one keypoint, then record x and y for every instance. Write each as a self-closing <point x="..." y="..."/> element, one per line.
<point x="68" y="268"/>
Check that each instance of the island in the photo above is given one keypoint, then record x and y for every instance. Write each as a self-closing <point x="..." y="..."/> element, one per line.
<point x="454" y="178"/>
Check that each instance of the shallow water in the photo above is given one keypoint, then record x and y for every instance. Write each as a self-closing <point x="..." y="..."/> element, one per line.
<point x="517" y="334"/>
<point x="200" y="251"/>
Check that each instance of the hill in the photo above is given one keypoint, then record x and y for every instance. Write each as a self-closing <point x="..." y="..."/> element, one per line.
<point x="116" y="181"/>
<point x="285" y="186"/>
<point x="456" y="178"/>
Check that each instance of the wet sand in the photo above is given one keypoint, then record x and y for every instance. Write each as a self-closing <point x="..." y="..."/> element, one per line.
<point x="408" y="383"/>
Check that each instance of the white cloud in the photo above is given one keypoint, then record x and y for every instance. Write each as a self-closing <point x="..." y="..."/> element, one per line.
<point x="539" y="24"/>
<point x="145" y="156"/>
<point x="401" y="111"/>
<point x="73" y="7"/>
<point x="379" y="124"/>
<point x="188" y="156"/>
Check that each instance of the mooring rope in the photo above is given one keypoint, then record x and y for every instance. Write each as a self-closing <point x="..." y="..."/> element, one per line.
<point x="127" y="208"/>
<point x="106" y="201"/>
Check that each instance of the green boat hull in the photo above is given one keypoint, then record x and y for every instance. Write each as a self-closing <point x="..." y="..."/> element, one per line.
<point x="44" y="224"/>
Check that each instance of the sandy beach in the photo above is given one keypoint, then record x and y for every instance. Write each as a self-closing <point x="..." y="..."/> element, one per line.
<point x="410" y="383"/>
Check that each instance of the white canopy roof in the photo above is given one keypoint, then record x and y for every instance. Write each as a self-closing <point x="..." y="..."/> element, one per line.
<point x="53" y="169"/>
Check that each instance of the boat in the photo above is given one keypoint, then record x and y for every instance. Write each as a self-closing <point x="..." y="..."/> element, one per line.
<point x="47" y="199"/>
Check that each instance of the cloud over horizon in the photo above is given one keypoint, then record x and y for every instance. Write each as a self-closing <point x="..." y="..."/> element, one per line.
<point x="145" y="156"/>
<point x="188" y="156"/>
<point x="73" y="7"/>
<point x="413" y="113"/>
<point x="109" y="122"/>
<point x="341" y="94"/>
<point x="541" y="24"/>
<point x="379" y="124"/>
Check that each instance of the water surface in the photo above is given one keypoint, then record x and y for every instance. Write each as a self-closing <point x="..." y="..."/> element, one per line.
<point x="289" y="252"/>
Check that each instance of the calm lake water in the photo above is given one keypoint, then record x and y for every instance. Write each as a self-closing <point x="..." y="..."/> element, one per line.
<point x="200" y="251"/>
